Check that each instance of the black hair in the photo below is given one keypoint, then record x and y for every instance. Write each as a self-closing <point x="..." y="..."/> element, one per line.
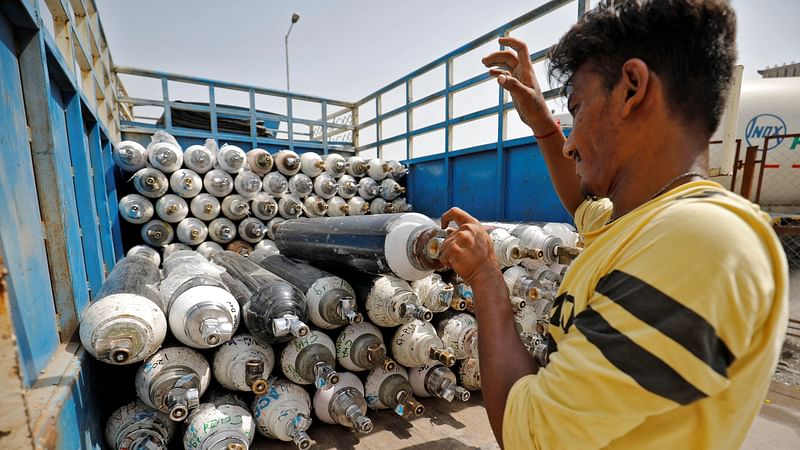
<point x="689" y="44"/>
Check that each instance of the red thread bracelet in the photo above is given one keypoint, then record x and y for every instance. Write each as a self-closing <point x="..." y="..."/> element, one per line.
<point x="557" y="123"/>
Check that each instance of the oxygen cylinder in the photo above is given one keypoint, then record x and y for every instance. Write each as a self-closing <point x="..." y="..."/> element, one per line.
<point x="243" y="364"/>
<point x="390" y="190"/>
<point x="390" y="389"/>
<point x="388" y="301"/>
<point x="173" y="380"/>
<point x="221" y="230"/>
<point x="368" y="188"/>
<point x="554" y="249"/>
<point x="310" y="360"/>
<point x="218" y="183"/>
<point x="235" y="207"/>
<point x="208" y="248"/>
<point x="222" y="422"/>
<point x="356" y="167"/>
<point x="325" y="186"/>
<point x="284" y="413"/>
<point x="335" y="164"/>
<point x="525" y="321"/>
<point x="129" y="156"/>
<point x="506" y="247"/>
<point x="136" y="209"/>
<point x="192" y="231"/>
<point x="290" y="207"/>
<point x="357" y="206"/>
<point x="403" y="244"/>
<point x="459" y="332"/>
<point x="157" y="233"/>
<point x="416" y="344"/>
<point x="241" y="247"/>
<point x="230" y="158"/>
<point x="275" y="184"/>
<point x="396" y="170"/>
<point x="469" y="374"/>
<point x="360" y="347"/>
<point x="266" y="247"/>
<point x="315" y="206"/>
<point x="312" y="164"/>
<point x="348" y="187"/>
<point x="548" y="280"/>
<point x="202" y="312"/>
<point x="563" y="231"/>
<point x="462" y="292"/>
<point x="436" y="380"/>
<point x="171" y="208"/>
<point x="185" y="183"/>
<point x="252" y="230"/>
<point x="205" y="207"/>
<point x="337" y="207"/>
<point x="400" y="205"/>
<point x="150" y="182"/>
<point x="126" y="323"/>
<point x="520" y="284"/>
<point x="137" y="426"/>
<point x="330" y="299"/>
<point x="199" y="158"/>
<point x="287" y="162"/>
<point x="434" y="293"/>
<point x="174" y="247"/>
<point x="380" y="206"/>
<point x="247" y="184"/>
<point x="272" y="309"/>
<point x="147" y="252"/>
<point x="271" y="225"/>
<point x="165" y="156"/>
<point x="344" y="404"/>
<point x="300" y="185"/>
<point x="259" y="161"/>
<point x="263" y="206"/>
<point x="378" y="170"/>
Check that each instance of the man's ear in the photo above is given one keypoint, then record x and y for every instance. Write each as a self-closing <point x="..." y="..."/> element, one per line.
<point x="634" y="83"/>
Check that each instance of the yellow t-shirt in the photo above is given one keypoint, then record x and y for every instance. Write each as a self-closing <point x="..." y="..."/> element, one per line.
<point x="665" y="332"/>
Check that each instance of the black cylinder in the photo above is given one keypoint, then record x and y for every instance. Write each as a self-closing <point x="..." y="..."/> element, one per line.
<point x="262" y="295"/>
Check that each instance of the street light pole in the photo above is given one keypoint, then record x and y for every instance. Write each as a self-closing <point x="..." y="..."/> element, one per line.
<point x="295" y="18"/>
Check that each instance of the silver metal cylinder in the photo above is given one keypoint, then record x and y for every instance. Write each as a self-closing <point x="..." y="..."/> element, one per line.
<point x="199" y="158"/>
<point x="205" y="207"/>
<point x="259" y="161"/>
<point x="275" y="184"/>
<point x="157" y="233"/>
<point x="218" y="183"/>
<point x="235" y="207"/>
<point x="221" y="230"/>
<point x="171" y="208"/>
<point x="186" y="183"/>
<point x="150" y="182"/>
<point x="264" y="206"/>
<point x="192" y="231"/>
<point x="230" y="158"/>
<point x="136" y="209"/>
<point x="129" y="156"/>
<point x="247" y="184"/>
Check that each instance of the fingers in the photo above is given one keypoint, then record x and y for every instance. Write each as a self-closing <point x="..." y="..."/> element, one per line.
<point x="504" y="58"/>
<point x="512" y="84"/>
<point x="519" y="46"/>
<point x="457" y="215"/>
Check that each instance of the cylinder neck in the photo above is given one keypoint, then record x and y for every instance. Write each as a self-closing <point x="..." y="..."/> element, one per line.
<point x="296" y="429"/>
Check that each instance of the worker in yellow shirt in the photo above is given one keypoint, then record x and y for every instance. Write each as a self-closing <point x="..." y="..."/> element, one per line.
<point x="667" y="328"/>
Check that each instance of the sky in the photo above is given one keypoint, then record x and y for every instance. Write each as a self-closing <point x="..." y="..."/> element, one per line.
<point x="347" y="49"/>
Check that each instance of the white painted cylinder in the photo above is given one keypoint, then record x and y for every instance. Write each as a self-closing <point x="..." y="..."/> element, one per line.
<point x="348" y="187"/>
<point x="378" y="169"/>
<point x="165" y="156"/>
<point x="434" y="293"/>
<point x="148" y="252"/>
<point x="157" y="233"/>
<point x="356" y="167"/>
<point x="337" y="207"/>
<point x="264" y="206"/>
<point x="129" y="156"/>
<point x="209" y="248"/>
<point x="171" y="208"/>
<point x="290" y="206"/>
<point x="380" y="206"/>
<point x="335" y="164"/>
<point x="325" y="186"/>
<point x="136" y="209"/>
<point x="221" y="230"/>
<point x="192" y="231"/>
<point x="186" y="183"/>
<point x="416" y="344"/>
<point x="300" y="185"/>
<point x="360" y="346"/>
<point x="199" y="158"/>
<point x="205" y="207"/>
<point x="315" y="206"/>
<point x="368" y="188"/>
<point x="312" y="164"/>
<point x="390" y="189"/>
<point x="230" y="158"/>
<point x="150" y="182"/>
<point x="390" y="389"/>
<point x="459" y="332"/>
<point x="391" y="302"/>
<point x="271" y="227"/>
<point x="344" y="404"/>
<point x="136" y="425"/>
<point x="222" y="422"/>
<point x="284" y="413"/>
<point x="400" y="205"/>
<point x="266" y="247"/>
<point x="396" y="170"/>
<point x="275" y="184"/>
<point x="218" y="183"/>
<point x="469" y="374"/>
<point x="173" y="380"/>
<point x="235" y="207"/>
<point x="252" y="230"/>
<point x="357" y="206"/>
<point x="436" y="380"/>
<point x="243" y="364"/>
<point x="504" y="244"/>
<point x="247" y="184"/>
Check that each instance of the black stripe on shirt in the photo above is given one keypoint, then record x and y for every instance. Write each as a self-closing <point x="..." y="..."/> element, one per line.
<point x="668" y="316"/>
<point x="649" y="371"/>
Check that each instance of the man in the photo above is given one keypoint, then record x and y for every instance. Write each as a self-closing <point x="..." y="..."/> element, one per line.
<point x="667" y="328"/>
